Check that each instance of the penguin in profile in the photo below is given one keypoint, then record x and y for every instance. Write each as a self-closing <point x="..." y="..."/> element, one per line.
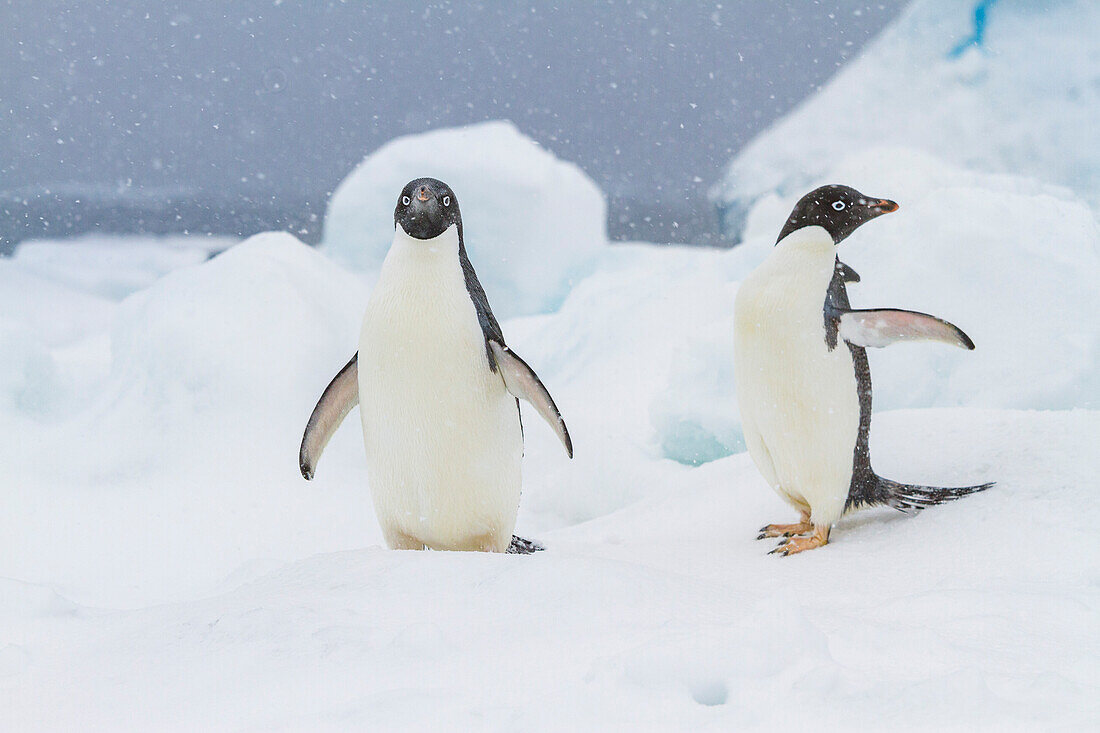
<point x="438" y="392"/>
<point x="803" y="381"/>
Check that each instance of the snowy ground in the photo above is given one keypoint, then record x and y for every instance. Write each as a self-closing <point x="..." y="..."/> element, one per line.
<point x="664" y="614"/>
<point x="164" y="566"/>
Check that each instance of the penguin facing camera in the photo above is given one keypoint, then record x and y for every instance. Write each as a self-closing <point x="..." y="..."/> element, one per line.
<point x="438" y="392"/>
<point x="803" y="381"/>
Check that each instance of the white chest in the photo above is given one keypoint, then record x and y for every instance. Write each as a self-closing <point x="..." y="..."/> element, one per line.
<point x="779" y="308"/>
<point x="441" y="433"/>
<point x="798" y="400"/>
<point x="420" y="326"/>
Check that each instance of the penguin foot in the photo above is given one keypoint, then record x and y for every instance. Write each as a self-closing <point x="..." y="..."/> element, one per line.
<point x="794" y="545"/>
<point x="521" y="546"/>
<point x="786" y="530"/>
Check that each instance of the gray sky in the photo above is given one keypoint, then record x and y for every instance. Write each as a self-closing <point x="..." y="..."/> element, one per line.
<point x="274" y="101"/>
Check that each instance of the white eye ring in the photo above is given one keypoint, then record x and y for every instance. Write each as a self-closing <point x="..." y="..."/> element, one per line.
<point x="839" y="205"/>
<point x="446" y="200"/>
<point x="406" y="200"/>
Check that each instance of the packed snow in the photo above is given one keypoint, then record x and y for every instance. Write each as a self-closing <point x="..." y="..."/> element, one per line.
<point x="1003" y="86"/>
<point x="664" y="614"/>
<point x="164" y="566"/>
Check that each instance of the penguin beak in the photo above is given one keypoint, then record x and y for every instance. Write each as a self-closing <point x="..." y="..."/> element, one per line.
<point x="883" y="206"/>
<point x="424" y="194"/>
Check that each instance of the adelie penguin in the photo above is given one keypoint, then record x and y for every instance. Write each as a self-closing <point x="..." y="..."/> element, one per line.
<point x="438" y="392"/>
<point x="803" y="382"/>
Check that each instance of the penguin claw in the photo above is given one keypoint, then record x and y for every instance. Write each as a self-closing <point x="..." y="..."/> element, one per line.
<point x="794" y="545"/>
<point x="784" y="530"/>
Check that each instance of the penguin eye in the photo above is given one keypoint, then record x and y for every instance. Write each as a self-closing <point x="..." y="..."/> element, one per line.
<point x="405" y="200"/>
<point x="839" y="205"/>
<point x="446" y="200"/>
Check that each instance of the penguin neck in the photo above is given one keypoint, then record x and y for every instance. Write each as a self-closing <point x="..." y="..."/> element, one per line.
<point x="810" y="246"/>
<point x="808" y="238"/>
<point x="416" y="264"/>
<point x="445" y="245"/>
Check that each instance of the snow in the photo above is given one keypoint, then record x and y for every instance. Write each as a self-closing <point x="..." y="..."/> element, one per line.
<point x="662" y="615"/>
<point x="1023" y="100"/>
<point x="114" y="266"/>
<point x="533" y="223"/>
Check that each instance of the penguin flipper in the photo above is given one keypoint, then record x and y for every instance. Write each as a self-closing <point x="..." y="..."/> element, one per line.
<point x="523" y="383"/>
<point x="339" y="397"/>
<point x="881" y="327"/>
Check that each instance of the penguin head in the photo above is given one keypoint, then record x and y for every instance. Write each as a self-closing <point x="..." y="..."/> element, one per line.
<point x="840" y="210"/>
<point x="426" y="208"/>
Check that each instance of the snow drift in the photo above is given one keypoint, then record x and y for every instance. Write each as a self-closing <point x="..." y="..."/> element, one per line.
<point x="665" y="615"/>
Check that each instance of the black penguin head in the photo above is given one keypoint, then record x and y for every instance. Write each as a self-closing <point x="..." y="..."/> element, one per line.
<point x="426" y="208"/>
<point x="840" y="210"/>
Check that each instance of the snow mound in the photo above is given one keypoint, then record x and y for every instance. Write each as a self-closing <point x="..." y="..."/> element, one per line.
<point x="113" y="266"/>
<point x="27" y="371"/>
<point x="234" y="332"/>
<point x="533" y="224"/>
<point x="620" y="335"/>
<point x="38" y="318"/>
<point x="188" y="420"/>
<point x="57" y="298"/>
<point x="1010" y="87"/>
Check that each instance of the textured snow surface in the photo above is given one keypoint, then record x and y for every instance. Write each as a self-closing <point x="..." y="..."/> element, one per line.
<point x="662" y="615"/>
<point x="532" y="223"/>
<point x="1017" y="93"/>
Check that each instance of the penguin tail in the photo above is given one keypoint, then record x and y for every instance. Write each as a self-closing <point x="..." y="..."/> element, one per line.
<point x="913" y="498"/>
<point x="521" y="546"/>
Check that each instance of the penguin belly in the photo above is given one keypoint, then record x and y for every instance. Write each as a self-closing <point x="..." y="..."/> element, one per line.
<point x="442" y="434"/>
<point x="799" y="400"/>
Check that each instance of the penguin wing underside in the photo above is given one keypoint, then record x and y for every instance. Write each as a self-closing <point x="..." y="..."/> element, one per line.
<point x="338" y="399"/>
<point x="884" y="326"/>
<point x="523" y="383"/>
